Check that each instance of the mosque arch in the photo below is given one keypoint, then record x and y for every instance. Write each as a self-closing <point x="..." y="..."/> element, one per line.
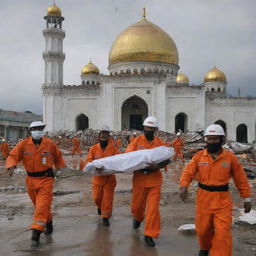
<point x="134" y="110"/>
<point x="222" y="124"/>
<point x="181" y="122"/>
<point x="242" y="133"/>
<point x="82" y="122"/>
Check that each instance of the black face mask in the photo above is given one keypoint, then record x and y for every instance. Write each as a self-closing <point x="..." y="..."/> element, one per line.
<point x="149" y="135"/>
<point x="103" y="143"/>
<point x="213" y="147"/>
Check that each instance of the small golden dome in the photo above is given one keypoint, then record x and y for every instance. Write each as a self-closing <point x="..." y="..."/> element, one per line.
<point x="54" y="11"/>
<point x="182" y="79"/>
<point x="143" y="41"/>
<point x="215" y="75"/>
<point x="90" y="68"/>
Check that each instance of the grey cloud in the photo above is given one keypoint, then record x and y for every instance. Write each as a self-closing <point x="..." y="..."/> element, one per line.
<point x="206" y="32"/>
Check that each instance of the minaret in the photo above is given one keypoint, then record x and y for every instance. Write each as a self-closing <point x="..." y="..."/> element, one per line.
<point x="53" y="55"/>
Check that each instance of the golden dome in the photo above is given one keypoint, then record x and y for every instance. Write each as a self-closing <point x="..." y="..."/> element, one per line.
<point x="143" y="41"/>
<point x="54" y="11"/>
<point x="215" y="75"/>
<point x="182" y="79"/>
<point x="90" y="68"/>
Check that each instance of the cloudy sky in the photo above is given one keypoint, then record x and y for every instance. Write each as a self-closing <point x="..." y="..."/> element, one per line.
<point x="206" y="32"/>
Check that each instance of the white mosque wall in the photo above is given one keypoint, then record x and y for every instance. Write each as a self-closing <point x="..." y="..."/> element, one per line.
<point x="189" y="101"/>
<point x="233" y="111"/>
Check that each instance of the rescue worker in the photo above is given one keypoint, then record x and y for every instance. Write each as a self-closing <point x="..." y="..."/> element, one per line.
<point x="134" y="135"/>
<point x="76" y="146"/>
<point x="4" y="148"/>
<point x="103" y="187"/>
<point x="146" y="189"/>
<point x="38" y="155"/>
<point x="214" y="166"/>
<point x="178" y="145"/>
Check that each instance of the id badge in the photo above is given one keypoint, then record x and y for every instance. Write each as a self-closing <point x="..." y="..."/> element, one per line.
<point x="43" y="160"/>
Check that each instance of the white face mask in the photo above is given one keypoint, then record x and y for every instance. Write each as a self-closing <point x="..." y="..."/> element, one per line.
<point x="37" y="135"/>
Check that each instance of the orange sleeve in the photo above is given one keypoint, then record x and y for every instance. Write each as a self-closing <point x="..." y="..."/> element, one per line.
<point x="90" y="156"/>
<point x="132" y="146"/>
<point x="240" y="178"/>
<point x="116" y="151"/>
<point x="58" y="159"/>
<point x="15" y="156"/>
<point x="189" y="172"/>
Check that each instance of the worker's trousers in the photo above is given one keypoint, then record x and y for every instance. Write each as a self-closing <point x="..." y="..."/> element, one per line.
<point x="145" y="203"/>
<point x="40" y="190"/>
<point x="213" y="222"/>
<point x="103" y="196"/>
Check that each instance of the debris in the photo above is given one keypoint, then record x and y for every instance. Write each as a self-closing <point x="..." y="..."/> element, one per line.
<point x="249" y="218"/>
<point x="187" y="229"/>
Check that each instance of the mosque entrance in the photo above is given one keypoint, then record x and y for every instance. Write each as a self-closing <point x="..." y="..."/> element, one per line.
<point x="181" y="122"/>
<point x="241" y="133"/>
<point x="134" y="111"/>
<point x="82" y="122"/>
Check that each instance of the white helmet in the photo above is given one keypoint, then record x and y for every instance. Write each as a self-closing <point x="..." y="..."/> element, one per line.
<point x="150" y="121"/>
<point x="214" y="129"/>
<point x="37" y="124"/>
<point x="104" y="128"/>
<point x="178" y="134"/>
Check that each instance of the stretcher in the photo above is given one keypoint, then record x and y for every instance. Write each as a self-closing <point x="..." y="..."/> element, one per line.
<point x="129" y="162"/>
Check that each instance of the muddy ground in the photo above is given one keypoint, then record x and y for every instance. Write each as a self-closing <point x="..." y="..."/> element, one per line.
<point x="78" y="229"/>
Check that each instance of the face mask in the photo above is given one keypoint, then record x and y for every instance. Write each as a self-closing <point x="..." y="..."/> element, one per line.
<point x="103" y="143"/>
<point x="37" y="135"/>
<point x="213" y="147"/>
<point x="149" y="135"/>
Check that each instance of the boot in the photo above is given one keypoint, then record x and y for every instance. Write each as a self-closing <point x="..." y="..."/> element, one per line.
<point x="35" y="238"/>
<point x="136" y="224"/>
<point x="99" y="211"/>
<point x="49" y="228"/>
<point x="203" y="253"/>
<point x="149" y="241"/>
<point x="105" y="222"/>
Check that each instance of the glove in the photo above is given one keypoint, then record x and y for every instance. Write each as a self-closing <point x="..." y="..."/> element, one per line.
<point x="184" y="194"/>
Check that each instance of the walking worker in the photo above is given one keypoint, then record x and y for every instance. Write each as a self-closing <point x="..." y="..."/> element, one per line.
<point x="76" y="146"/>
<point x="38" y="155"/>
<point x="4" y="148"/>
<point x="178" y="145"/>
<point x="146" y="189"/>
<point x="103" y="187"/>
<point x="214" y="166"/>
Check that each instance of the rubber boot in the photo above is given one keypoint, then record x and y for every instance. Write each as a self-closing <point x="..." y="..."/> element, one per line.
<point x="99" y="211"/>
<point x="49" y="228"/>
<point x="149" y="241"/>
<point x="136" y="224"/>
<point x="105" y="222"/>
<point x="35" y="238"/>
<point x="203" y="253"/>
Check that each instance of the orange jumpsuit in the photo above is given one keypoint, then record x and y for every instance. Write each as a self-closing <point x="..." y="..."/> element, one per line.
<point x="36" y="159"/>
<point x="214" y="209"/>
<point x="76" y="147"/>
<point x="103" y="187"/>
<point x="146" y="189"/>
<point x="178" y="145"/>
<point x="5" y="149"/>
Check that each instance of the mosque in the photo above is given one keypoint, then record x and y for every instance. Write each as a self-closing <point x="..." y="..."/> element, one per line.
<point x="143" y="80"/>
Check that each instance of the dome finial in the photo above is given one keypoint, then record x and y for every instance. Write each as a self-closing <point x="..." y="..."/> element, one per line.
<point x="144" y="12"/>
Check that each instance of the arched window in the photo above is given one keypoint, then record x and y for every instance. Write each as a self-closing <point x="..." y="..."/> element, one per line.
<point x="181" y="121"/>
<point x="212" y="89"/>
<point x="241" y="133"/>
<point x="82" y="122"/>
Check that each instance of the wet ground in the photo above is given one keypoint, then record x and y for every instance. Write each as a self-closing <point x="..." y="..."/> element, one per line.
<point x="78" y="229"/>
